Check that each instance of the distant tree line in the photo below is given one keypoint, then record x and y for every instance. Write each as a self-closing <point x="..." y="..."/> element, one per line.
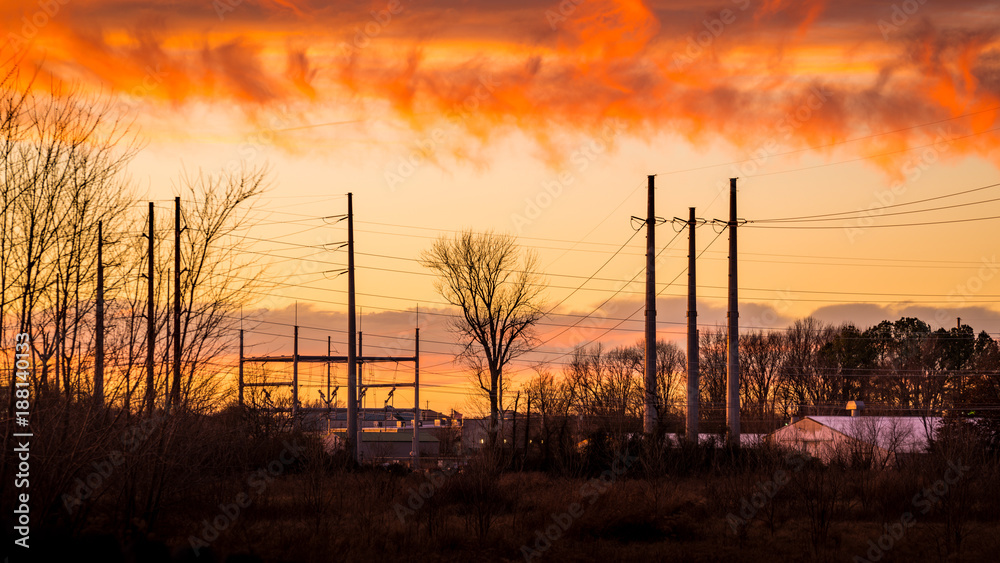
<point x="63" y="160"/>
<point x="896" y="367"/>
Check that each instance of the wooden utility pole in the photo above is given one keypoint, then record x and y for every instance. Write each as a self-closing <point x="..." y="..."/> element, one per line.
<point x="175" y="390"/>
<point x="416" y="399"/>
<point x="150" y="322"/>
<point x="649" y="414"/>
<point x="692" y="335"/>
<point x="733" y="337"/>
<point x="99" y="321"/>
<point x="352" y="357"/>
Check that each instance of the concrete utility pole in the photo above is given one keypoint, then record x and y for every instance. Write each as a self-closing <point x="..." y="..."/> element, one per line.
<point x="175" y="389"/>
<point x="649" y="415"/>
<point x="733" y="363"/>
<point x="329" y="351"/>
<point x="352" y="357"/>
<point x="692" y="347"/>
<point x="150" y="321"/>
<point x="295" y="378"/>
<point x="99" y="321"/>
<point x="416" y="399"/>
<point x="57" y="336"/>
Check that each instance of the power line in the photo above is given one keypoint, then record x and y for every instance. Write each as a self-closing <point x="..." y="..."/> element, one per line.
<point x="920" y="224"/>
<point x="824" y="215"/>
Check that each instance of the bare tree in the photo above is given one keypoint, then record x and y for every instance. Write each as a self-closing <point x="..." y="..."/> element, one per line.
<point x="805" y="381"/>
<point x="217" y="277"/>
<point x="760" y="369"/>
<point x="499" y="292"/>
<point x="553" y="401"/>
<point x="671" y="373"/>
<point x="608" y="388"/>
<point x="712" y="365"/>
<point x="63" y="157"/>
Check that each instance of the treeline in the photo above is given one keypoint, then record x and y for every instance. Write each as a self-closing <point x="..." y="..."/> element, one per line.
<point x="896" y="367"/>
<point x="63" y="159"/>
<point x="128" y="455"/>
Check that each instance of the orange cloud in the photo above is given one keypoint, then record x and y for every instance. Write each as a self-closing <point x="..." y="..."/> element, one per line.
<point x="772" y="74"/>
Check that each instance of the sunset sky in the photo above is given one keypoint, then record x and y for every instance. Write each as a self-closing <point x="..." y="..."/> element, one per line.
<point x="543" y="119"/>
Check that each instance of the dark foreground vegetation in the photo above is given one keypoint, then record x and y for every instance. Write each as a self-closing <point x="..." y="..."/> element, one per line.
<point x="227" y="488"/>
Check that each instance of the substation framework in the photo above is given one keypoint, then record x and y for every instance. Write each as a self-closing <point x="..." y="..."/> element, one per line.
<point x="331" y="391"/>
<point x="353" y="359"/>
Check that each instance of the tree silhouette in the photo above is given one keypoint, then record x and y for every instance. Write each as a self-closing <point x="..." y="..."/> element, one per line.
<point x="499" y="291"/>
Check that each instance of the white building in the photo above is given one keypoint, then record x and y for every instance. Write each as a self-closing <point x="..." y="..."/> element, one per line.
<point x="879" y="440"/>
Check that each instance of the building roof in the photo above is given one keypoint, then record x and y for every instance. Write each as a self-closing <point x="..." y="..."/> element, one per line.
<point x="904" y="434"/>
<point x="407" y="436"/>
<point x="396" y="437"/>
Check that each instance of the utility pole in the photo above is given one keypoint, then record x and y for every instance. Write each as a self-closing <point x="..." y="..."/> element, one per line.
<point x="175" y="390"/>
<point x="692" y="335"/>
<point x="241" y="370"/>
<point x="166" y="357"/>
<point x="352" y="358"/>
<point x="733" y="360"/>
<point x="416" y="399"/>
<point x="57" y="336"/>
<point x="329" y="349"/>
<point x="150" y="322"/>
<point x="329" y="399"/>
<point x="649" y="415"/>
<point x="295" y="378"/>
<point x="361" y="379"/>
<point x="527" y="429"/>
<point x="99" y="337"/>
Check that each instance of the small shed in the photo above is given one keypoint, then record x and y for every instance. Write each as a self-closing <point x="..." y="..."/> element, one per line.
<point x="879" y="440"/>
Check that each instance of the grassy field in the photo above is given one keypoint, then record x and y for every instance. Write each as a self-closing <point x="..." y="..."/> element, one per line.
<point x="204" y="489"/>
